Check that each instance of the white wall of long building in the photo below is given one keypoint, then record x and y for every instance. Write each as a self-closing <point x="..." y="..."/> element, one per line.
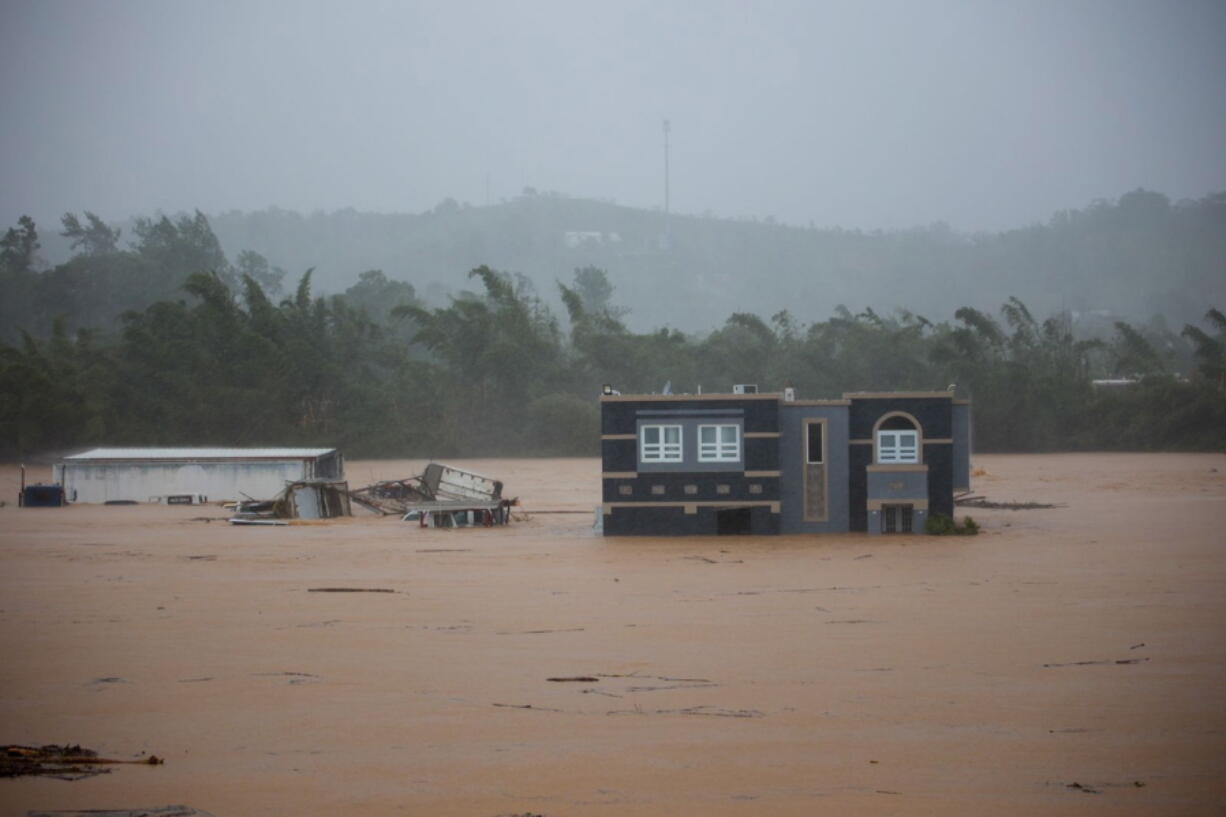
<point x="103" y="482"/>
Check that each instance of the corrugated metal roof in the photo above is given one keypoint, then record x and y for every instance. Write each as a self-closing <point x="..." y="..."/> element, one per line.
<point x="200" y="453"/>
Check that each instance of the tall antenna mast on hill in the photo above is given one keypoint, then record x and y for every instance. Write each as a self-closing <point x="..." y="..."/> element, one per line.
<point x="667" y="239"/>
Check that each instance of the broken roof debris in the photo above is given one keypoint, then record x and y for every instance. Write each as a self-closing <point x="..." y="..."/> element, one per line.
<point x="301" y="499"/>
<point x="441" y="497"/>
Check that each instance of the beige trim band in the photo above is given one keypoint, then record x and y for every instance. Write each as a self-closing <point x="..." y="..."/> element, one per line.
<point x="635" y="474"/>
<point x="774" y="395"/>
<point x="692" y="507"/>
<point x="761" y="435"/>
<point x="899" y="467"/>
<point x="938" y="441"/>
<point x="891" y="395"/>
<point x="860" y="442"/>
<point x="917" y="504"/>
<point x="817" y="402"/>
<point x="619" y="436"/>
<point x="685" y="398"/>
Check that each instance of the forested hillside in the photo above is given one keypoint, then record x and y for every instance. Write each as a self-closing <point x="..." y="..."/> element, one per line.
<point x="1134" y="258"/>
<point x="169" y="342"/>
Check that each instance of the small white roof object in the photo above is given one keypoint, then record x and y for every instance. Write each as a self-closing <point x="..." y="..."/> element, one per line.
<point x="180" y="454"/>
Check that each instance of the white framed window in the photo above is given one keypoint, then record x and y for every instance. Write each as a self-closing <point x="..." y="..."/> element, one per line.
<point x="660" y="443"/>
<point x="719" y="443"/>
<point x="897" y="446"/>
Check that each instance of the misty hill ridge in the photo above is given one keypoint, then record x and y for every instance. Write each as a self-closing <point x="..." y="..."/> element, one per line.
<point x="1136" y="257"/>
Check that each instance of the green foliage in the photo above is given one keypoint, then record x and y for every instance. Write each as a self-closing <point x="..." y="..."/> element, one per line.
<point x="101" y="281"/>
<point x="168" y="343"/>
<point x="181" y="247"/>
<point x="938" y="524"/>
<point x="1210" y="350"/>
<point x="92" y="238"/>
<point x="19" y="247"/>
<point x="563" y="425"/>
<point x="256" y="267"/>
<point x="1134" y="354"/>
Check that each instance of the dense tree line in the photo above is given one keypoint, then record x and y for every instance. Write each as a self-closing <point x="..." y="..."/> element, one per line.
<point x="169" y="343"/>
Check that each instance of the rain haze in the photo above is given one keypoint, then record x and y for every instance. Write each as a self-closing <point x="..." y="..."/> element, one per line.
<point x="985" y="116"/>
<point x="678" y="276"/>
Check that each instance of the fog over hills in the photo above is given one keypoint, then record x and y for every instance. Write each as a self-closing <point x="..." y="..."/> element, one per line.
<point x="883" y="115"/>
<point x="1135" y="257"/>
<point x="1132" y="258"/>
<point x="712" y="156"/>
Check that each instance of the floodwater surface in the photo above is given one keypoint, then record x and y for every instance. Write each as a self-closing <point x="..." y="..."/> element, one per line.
<point x="1068" y="660"/>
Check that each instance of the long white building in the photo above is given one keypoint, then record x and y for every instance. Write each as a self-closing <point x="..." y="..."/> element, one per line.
<point x="143" y="474"/>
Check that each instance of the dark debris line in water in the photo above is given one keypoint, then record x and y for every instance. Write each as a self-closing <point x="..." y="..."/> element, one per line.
<point x="68" y="762"/>
<point x="157" y="811"/>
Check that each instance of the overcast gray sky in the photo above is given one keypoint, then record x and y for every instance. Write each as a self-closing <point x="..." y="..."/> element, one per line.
<point x="985" y="115"/>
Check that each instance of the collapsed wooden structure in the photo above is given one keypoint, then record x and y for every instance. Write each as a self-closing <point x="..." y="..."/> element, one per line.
<point x="300" y="499"/>
<point x="440" y="497"/>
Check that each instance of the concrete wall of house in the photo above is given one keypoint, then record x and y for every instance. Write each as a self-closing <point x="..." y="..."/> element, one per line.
<point x="689" y="422"/>
<point x="138" y="481"/>
<point x="933" y="414"/>
<point x="935" y="417"/>
<point x="652" y="498"/>
<point x="693" y="487"/>
<point x="939" y="458"/>
<point x="674" y="521"/>
<point x="859" y="457"/>
<point x="898" y="486"/>
<point x="792" y="463"/>
<point x="962" y="446"/>
<point x="620" y="416"/>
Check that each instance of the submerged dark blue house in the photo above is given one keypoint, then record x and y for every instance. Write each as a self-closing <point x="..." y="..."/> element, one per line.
<point x="748" y="463"/>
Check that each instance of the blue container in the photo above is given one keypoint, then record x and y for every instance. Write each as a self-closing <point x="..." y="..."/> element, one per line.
<point x="43" y="496"/>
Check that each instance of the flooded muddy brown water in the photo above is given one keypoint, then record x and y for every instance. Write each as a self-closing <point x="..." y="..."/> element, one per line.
<point x="1083" y="644"/>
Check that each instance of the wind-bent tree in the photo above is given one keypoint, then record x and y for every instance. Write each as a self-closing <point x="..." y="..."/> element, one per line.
<point x="92" y="238"/>
<point x="1210" y="351"/>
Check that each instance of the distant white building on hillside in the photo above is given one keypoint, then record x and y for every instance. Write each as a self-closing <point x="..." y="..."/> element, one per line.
<point x="143" y="474"/>
<point x="575" y="239"/>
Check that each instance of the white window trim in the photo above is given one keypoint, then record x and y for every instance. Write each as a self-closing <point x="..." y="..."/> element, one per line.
<point x="720" y="450"/>
<point x="898" y="452"/>
<point x="662" y="451"/>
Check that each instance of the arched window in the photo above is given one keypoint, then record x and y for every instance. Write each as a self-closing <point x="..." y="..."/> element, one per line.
<point x="898" y="440"/>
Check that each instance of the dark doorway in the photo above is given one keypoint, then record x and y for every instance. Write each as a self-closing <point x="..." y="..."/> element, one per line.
<point x="734" y="522"/>
<point x="896" y="518"/>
